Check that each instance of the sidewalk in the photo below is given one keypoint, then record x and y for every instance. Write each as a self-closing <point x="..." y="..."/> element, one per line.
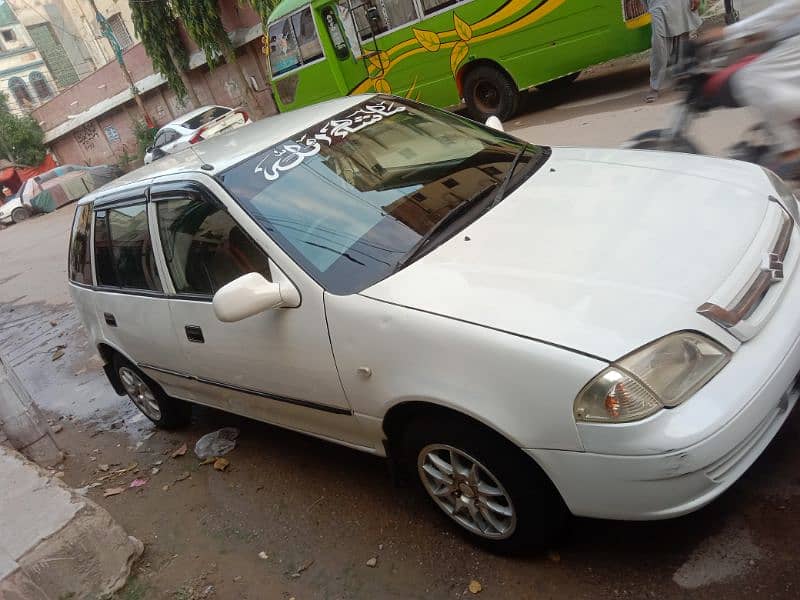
<point x="55" y="544"/>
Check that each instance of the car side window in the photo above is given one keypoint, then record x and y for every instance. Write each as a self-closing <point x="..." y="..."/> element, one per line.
<point x="161" y="139"/>
<point x="123" y="250"/>
<point x="204" y="247"/>
<point x="80" y="266"/>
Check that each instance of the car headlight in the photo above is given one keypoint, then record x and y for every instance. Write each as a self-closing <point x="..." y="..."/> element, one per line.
<point x="785" y="195"/>
<point x="660" y="375"/>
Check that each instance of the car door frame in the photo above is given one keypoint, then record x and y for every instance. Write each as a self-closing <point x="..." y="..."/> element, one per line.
<point x="332" y="422"/>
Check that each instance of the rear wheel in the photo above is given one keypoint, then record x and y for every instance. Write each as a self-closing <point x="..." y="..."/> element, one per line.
<point x="488" y="91"/>
<point x="497" y="496"/>
<point x="150" y="399"/>
<point x="20" y="214"/>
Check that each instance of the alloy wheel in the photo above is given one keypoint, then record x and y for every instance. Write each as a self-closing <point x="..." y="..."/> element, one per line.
<point x="467" y="491"/>
<point x="141" y="394"/>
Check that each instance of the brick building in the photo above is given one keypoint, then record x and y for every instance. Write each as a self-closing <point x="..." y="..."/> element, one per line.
<point x="92" y="121"/>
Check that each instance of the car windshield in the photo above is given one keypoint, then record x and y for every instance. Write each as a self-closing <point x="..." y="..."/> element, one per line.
<point x="350" y="197"/>
<point x="204" y="118"/>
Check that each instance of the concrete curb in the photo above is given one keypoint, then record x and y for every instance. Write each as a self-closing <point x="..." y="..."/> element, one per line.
<point x="55" y="544"/>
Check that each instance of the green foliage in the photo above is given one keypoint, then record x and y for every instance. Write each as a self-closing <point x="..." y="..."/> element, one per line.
<point x="21" y="138"/>
<point x="204" y="25"/>
<point x="157" y="27"/>
<point x="145" y="136"/>
<point x="263" y="8"/>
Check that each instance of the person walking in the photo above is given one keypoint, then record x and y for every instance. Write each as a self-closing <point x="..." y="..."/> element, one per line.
<point x="673" y="20"/>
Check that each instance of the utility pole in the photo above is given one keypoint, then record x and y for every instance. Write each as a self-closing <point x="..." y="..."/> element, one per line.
<point x="108" y="33"/>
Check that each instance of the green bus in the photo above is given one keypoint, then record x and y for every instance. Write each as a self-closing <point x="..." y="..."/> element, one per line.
<point x="447" y="53"/>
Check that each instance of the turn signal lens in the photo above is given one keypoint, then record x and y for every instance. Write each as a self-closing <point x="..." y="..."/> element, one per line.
<point x="662" y="374"/>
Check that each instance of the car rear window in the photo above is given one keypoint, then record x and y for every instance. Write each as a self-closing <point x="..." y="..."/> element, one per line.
<point x="123" y="252"/>
<point x="206" y="117"/>
<point x="80" y="266"/>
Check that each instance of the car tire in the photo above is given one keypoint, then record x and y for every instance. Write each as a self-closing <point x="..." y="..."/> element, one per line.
<point x="522" y="508"/>
<point x="166" y="412"/>
<point x="20" y="214"/>
<point x="557" y="85"/>
<point x="488" y="92"/>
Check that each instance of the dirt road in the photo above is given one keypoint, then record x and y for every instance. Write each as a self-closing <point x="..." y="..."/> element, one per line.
<point x="319" y="512"/>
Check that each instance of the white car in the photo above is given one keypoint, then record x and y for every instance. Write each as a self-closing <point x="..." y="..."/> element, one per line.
<point x="194" y="127"/>
<point x="14" y="211"/>
<point x="531" y="331"/>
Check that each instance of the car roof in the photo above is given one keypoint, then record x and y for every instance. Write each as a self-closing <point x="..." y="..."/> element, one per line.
<point x="191" y="114"/>
<point x="223" y="151"/>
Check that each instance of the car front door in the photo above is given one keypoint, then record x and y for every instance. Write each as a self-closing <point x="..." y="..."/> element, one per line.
<point x="276" y="366"/>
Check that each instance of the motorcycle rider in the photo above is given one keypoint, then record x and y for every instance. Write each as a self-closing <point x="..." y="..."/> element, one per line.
<point x="771" y="82"/>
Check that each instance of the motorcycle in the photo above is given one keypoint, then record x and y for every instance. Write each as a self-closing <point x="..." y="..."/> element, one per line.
<point x="703" y="73"/>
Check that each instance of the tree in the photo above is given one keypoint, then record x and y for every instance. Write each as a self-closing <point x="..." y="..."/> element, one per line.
<point x="203" y="23"/>
<point x="21" y="138"/>
<point x="157" y="27"/>
<point x="264" y="8"/>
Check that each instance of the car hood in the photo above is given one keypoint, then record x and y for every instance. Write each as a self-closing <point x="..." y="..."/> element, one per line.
<point x="600" y="251"/>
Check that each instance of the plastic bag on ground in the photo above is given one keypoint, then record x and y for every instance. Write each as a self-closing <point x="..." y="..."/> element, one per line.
<point x="216" y="443"/>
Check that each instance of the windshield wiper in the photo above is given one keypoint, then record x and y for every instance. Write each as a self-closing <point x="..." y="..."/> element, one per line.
<point x="441" y="225"/>
<point x="503" y="190"/>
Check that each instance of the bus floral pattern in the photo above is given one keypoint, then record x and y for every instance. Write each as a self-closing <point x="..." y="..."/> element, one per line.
<point x="511" y="16"/>
<point x="290" y="154"/>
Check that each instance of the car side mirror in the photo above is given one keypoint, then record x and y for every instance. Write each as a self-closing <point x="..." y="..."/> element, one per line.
<point x="494" y="123"/>
<point x="149" y="149"/>
<point x="252" y="294"/>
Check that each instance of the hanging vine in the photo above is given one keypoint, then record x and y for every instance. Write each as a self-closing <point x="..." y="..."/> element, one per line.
<point x="263" y="8"/>
<point x="157" y="27"/>
<point x="203" y="23"/>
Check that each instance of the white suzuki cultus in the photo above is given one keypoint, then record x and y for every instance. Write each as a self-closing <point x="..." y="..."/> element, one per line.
<point x="530" y="331"/>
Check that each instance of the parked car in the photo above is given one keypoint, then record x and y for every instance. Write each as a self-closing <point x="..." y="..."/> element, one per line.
<point x="194" y="127"/>
<point x="13" y="210"/>
<point x="530" y="331"/>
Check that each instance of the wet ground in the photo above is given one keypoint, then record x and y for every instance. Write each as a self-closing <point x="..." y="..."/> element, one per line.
<point x="319" y="512"/>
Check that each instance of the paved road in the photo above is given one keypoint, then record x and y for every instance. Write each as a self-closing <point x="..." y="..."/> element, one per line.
<point x="318" y="512"/>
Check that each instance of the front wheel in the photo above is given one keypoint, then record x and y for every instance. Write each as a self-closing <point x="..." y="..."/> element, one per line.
<point x="488" y="92"/>
<point x="166" y="412"/>
<point x="20" y="214"/>
<point x="660" y="140"/>
<point x="497" y="495"/>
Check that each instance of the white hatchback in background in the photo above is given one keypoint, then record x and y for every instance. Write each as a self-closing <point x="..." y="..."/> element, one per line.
<point x="194" y="127"/>
<point x="529" y="330"/>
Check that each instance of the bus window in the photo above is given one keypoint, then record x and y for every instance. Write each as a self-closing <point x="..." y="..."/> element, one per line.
<point x="431" y="6"/>
<point x="335" y="33"/>
<point x="391" y="15"/>
<point x="293" y="42"/>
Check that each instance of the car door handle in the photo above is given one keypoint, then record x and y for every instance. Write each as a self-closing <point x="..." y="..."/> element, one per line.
<point x="110" y="319"/>
<point x="194" y="334"/>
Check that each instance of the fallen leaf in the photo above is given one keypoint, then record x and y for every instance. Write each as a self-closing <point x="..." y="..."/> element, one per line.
<point x="179" y="451"/>
<point x="221" y="464"/>
<point x="57" y="354"/>
<point x="554" y="556"/>
<point x="263" y="555"/>
<point x="113" y="491"/>
<point x="165" y="487"/>
<point x="103" y="468"/>
<point x="138" y="483"/>
<point x="60" y="474"/>
<point x="157" y="463"/>
<point x="209" y="461"/>
<point x="155" y="471"/>
<point x="57" y="428"/>
<point x="182" y="476"/>
<point x="475" y="587"/>
<point x="372" y="562"/>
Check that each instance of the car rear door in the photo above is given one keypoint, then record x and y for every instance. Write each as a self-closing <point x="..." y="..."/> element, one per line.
<point x="276" y="366"/>
<point x="132" y="309"/>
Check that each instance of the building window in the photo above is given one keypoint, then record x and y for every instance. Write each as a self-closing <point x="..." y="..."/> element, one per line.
<point x="53" y="54"/>
<point x="40" y="86"/>
<point x="9" y="35"/>
<point x="120" y="31"/>
<point x="20" y="92"/>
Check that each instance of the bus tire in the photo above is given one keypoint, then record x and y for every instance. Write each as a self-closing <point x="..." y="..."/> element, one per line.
<point x="488" y="91"/>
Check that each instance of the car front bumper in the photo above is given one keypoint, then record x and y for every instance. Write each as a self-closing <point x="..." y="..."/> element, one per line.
<point x="681" y="459"/>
